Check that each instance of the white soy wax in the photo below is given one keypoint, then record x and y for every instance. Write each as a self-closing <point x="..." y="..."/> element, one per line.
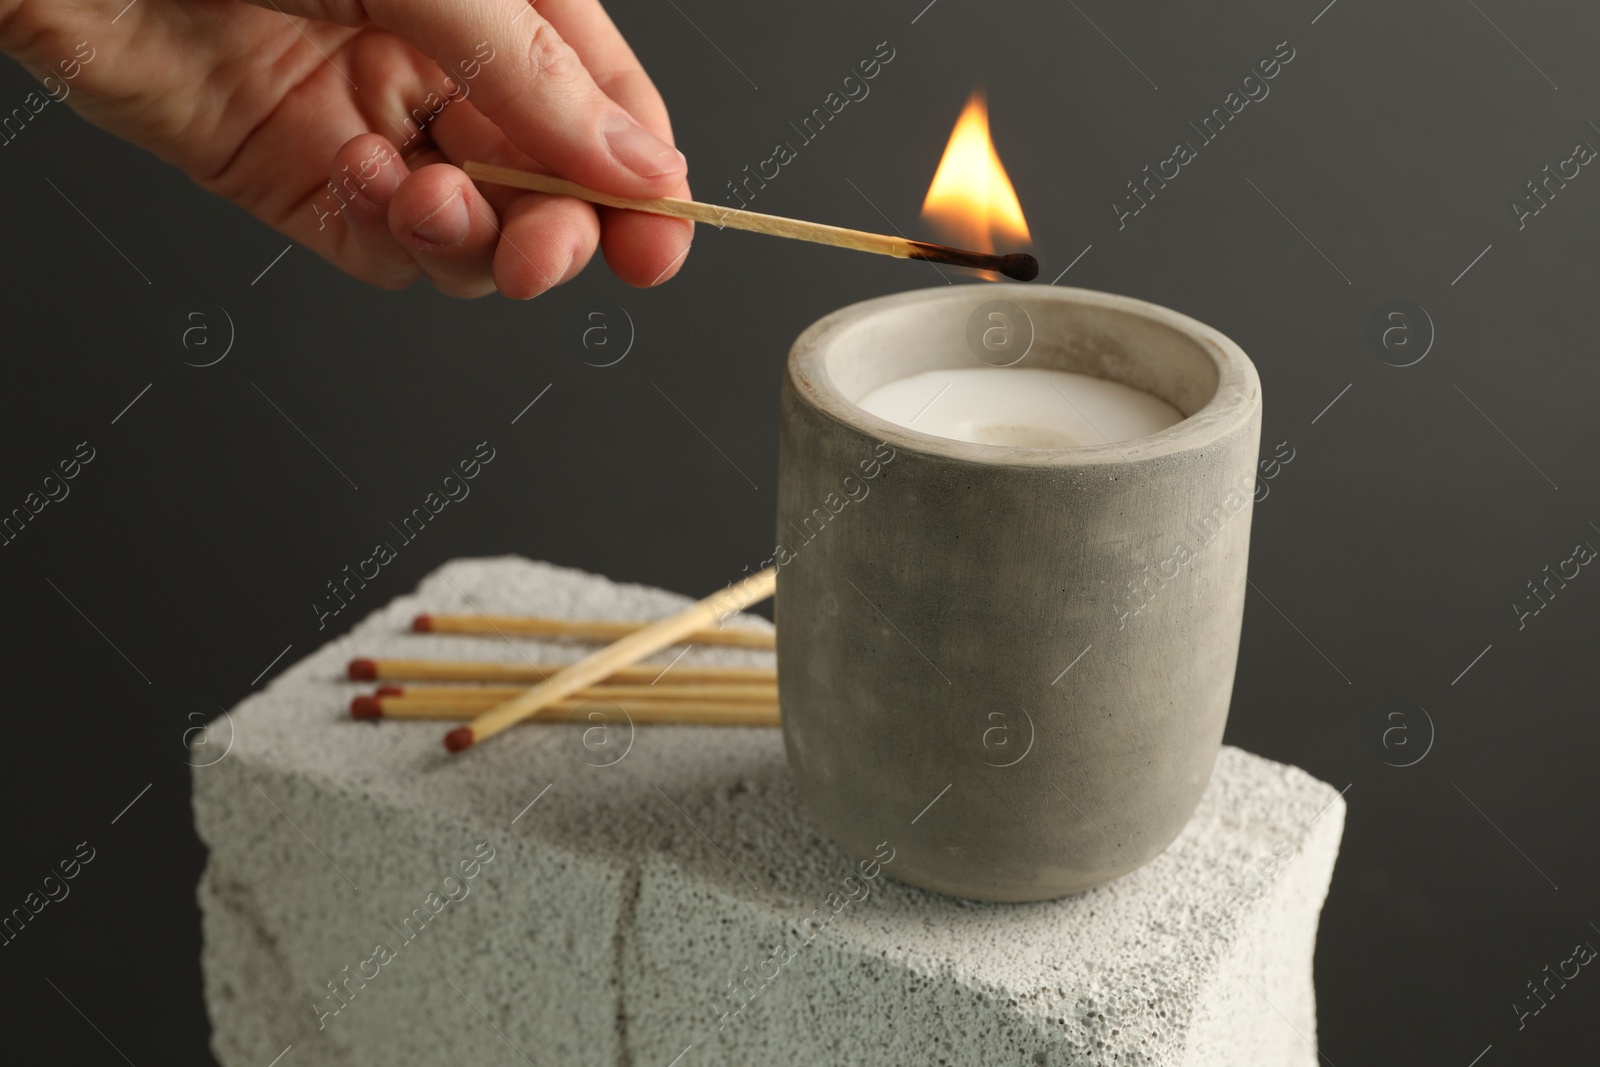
<point x="1021" y="407"/>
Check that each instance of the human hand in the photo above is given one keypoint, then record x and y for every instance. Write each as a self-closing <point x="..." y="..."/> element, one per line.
<point x="341" y="123"/>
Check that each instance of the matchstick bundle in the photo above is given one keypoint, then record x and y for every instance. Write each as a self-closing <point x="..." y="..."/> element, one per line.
<point x="605" y="684"/>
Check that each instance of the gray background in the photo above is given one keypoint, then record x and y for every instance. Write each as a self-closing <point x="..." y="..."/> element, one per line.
<point x="1386" y="557"/>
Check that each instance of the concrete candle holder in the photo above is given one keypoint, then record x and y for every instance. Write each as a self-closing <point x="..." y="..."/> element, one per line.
<point x="1011" y="664"/>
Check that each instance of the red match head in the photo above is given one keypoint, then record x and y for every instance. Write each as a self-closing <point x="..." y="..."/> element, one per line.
<point x="362" y="670"/>
<point x="366" y="708"/>
<point x="458" y="739"/>
<point x="422" y="624"/>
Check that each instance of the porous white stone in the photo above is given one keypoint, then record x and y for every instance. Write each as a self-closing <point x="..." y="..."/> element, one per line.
<point x="619" y="907"/>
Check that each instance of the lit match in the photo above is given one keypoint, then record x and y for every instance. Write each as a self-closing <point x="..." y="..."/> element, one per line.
<point x="1019" y="265"/>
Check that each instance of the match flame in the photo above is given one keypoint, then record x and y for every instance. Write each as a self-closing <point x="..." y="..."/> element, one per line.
<point x="971" y="197"/>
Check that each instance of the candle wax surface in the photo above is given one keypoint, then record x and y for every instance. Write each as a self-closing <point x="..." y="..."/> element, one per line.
<point x="1023" y="408"/>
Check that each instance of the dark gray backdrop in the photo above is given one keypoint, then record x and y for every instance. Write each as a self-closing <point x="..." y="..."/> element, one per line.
<point x="1393" y="547"/>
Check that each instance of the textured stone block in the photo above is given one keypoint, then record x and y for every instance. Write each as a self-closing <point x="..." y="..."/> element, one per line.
<point x="658" y="893"/>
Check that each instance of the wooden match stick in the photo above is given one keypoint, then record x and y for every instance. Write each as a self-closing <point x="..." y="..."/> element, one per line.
<point x="626" y="652"/>
<point x="582" y="629"/>
<point x="395" y="705"/>
<point x="750" y="714"/>
<point x="487" y="696"/>
<point x="1019" y="265"/>
<point x="428" y="670"/>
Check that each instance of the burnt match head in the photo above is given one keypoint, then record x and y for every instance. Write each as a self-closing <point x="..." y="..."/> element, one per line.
<point x="1018" y="265"/>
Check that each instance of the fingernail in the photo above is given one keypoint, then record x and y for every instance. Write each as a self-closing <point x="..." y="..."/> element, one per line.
<point x="640" y="150"/>
<point x="378" y="189"/>
<point x="447" y="225"/>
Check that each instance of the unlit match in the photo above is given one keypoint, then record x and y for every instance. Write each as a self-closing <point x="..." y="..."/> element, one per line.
<point x="658" y="713"/>
<point x="428" y="670"/>
<point x="1018" y="265"/>
<point x="489" y="695"/>
<point x="582" y="629"/>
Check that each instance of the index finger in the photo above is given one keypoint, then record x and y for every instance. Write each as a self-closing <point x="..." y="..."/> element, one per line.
<point x="534" y="86"/>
